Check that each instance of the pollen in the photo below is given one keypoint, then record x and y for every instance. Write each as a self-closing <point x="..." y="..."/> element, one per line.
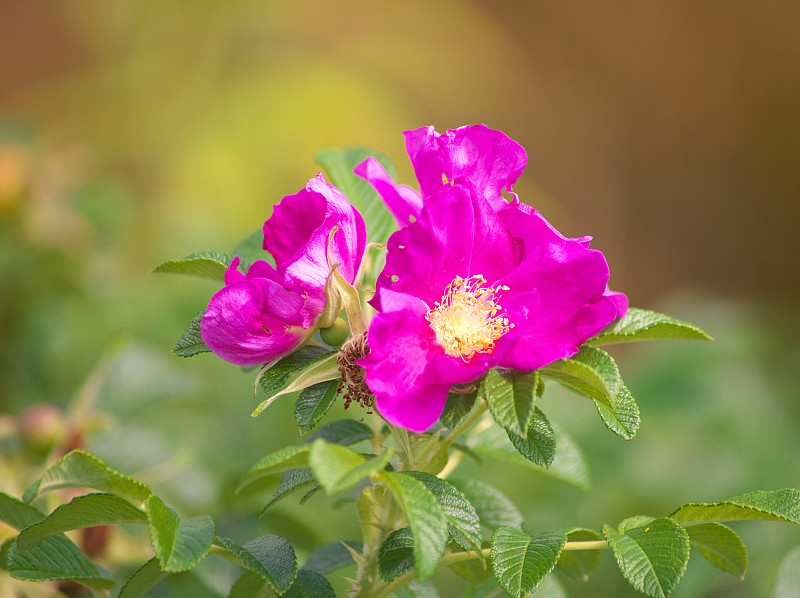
<point x="469" y="319"/>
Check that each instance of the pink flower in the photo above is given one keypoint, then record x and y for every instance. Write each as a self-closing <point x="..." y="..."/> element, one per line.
<point x="489" y="159"/>
<point x="468" y="287"/>
<point x="267" y="313"/>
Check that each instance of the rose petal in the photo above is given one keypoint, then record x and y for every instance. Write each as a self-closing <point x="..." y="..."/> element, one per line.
<point x="292" y="223"/>
<point x="457" y="234"/>
<point x="298" y="235"/>
<point x="570" y="303"/>
<point x="490" y="159"/>
<point x="253" y="322"/>
<point x="401" y="345"/>
<point x="232" y="274"/>
<point x="403" y="202"/>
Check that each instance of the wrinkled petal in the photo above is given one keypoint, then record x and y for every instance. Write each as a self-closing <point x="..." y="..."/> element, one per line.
<point x="620" y="301"/>
<point x="403" y="202"/>
<point x="571" y="300"/>
<point x="294" y="220"/>
<point x="232" y="274"/>
<point x="457" y="234"/>
<point x="253" y="322"/>
<point x="490" y="159"/>
<point x="263" y="269"/>
<point x="258" y="269"/>
<point x="298" y="236"/>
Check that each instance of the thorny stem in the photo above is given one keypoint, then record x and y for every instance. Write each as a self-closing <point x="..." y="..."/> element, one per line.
<point x="367" y="576"/>
<point x="377" y="435"/>
<point x="400" y="436"/>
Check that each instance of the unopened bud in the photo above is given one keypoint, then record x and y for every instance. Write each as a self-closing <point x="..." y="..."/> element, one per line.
<point x="335" y="334"/>
<point x="40" y="426"/>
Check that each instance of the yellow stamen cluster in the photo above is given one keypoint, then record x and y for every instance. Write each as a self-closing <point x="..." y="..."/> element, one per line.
<point x="468" y="319"/>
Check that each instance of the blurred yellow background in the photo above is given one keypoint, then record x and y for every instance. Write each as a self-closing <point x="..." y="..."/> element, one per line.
<point x="135" y="132"/>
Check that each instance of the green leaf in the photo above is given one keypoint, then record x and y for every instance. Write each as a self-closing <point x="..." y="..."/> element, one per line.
<point x="539" y="444"/>
<point x="396" y="555"/>
<point x="721" y="546"/>
<point x="16" y="513"/>
<point x="591" y="372"/>
<point x="55" y="559"/>
<point x="313" y="403"/>
<point x="314" y="489"/>
<point x="643" y="325"/>
<point x="178" y="545"/>
<point x="342" y="431"/>
<point x="550" y="587"/>
<point x="425" y="518"/>
<point x="788" y="580"/>
<point x="475" y="571"/>
<point x="278" y="376"/>
<point x="338" y="467"/>
<point x="271" y="557"/>
<point x="623" y="418"/>
<point x="510" y="396"/>
<point x="431" y="453"/>
<point x="775" y="505"/>
<point x="289" y="457"/>
<point x="251" y="585"/>
<point x="82" y="511"/>
<point x="488" y="589"/>
<point x="520" y="562"/>
<point x="465" y="526"/>
<point x="320" y="370"/>
<point x="79" y="469"/>
<point x="292" y="480"/>
<point x="578" y="564"/>
<point x="633" y="522"/>
<point x="494" y="508"/>
<point x="568" y="465"/>
<point x="332" y="556"/>
<point x="418" y="589"/>
<point x="251" y="249"/>
<point x="143" y="579"/>
<point x="310" y="584"/>
<point x="457" y="407"/>
<point x="652" y="557"/>
<point x="191" y="343"/>
<point x="339" y="165"/>
<point x="206" y="264"/>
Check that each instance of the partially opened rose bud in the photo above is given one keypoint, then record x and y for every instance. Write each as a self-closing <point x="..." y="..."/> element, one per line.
<point x="40" y="426"/>
<point x="269" y="312"/>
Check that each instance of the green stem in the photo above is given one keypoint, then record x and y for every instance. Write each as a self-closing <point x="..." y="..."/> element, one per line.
<point x="460" y="557"/>
<point x="587" y="545"/>
<point x="224" y="553"/>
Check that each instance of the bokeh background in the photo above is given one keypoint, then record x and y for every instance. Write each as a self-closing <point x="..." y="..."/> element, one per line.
<point x="135" y="132"/>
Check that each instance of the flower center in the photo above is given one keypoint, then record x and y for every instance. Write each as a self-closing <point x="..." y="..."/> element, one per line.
<point x="468" y="319"/>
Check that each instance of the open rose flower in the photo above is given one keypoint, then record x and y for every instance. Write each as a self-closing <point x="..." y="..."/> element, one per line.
<point x="468" y="287"/>
<point x="489" y="159"/>
<point x="267" y="313"/>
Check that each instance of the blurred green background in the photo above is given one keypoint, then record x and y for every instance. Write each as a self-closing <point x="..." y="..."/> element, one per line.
<point x="135" y="132"/>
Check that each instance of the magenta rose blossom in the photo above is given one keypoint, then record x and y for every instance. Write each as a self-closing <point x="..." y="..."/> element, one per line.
<point x="489" y="159"/>
<point x="267" y="313"/>
<point x="468" y="287"/>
